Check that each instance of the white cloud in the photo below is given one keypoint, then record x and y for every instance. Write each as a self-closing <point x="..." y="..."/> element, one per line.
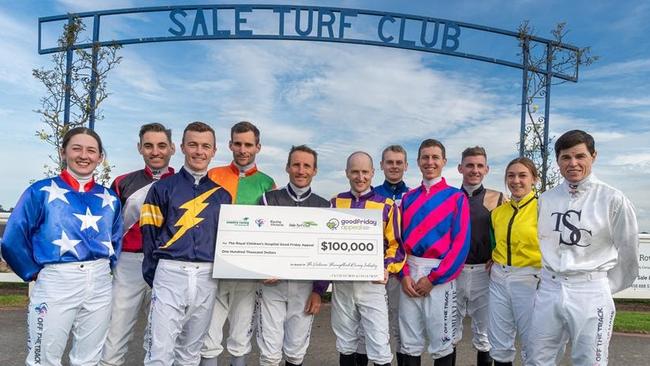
<point x="612" y="102"/>
<point x="137" y="76"/>
<point x="84" y="5"/>
<point x="617" y="69"/>
<point x="18" y="43"/>
<point x="337" y="98"/>
<point x="638" y="161"/>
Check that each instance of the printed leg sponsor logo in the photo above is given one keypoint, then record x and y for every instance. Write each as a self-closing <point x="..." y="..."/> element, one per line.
<point x="454" y="310"/>
<point x="445" y="319"/>
<point x="256" y="306"/>
<point x="599" y="334"/>
<point x="41" y="313"/>
<point x="258" y="311"/>
<point x="149" y="337"/>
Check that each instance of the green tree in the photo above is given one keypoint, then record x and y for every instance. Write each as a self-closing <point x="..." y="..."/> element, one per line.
<point x="53" y="103"/>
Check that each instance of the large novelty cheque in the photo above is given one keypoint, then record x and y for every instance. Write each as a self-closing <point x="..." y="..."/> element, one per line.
<point x="299" y="243"/>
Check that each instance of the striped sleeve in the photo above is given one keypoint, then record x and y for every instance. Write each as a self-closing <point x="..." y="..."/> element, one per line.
<point x="117" y="231"/>
<point x="405" y="268"/>
<point x="151" y="222"/>
<point x="394" y="256"/>
<point x="452" y="263"/>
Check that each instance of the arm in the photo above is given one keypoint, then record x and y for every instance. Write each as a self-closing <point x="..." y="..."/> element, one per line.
<point x="17" y="247"/>
<point x="263" y="201"/>
<point x="394" y="256"/>
<point x="625" y="237"/>
<point x="493" y="244"/>
<point x="314" y="300"/>
<point x="312" y="306"/>
<point x="453" y="261"/>
<point x="405" y="272"/>
<point x="115" y="186"/>
<point x="117" y="233"/>
<point x="151" y="222"/>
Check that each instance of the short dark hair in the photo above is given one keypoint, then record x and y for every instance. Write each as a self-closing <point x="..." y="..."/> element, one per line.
<point x="245" y="126"/>
<point x="395" y="149"/>
<point x="82" y="131"/>
<point x="473" y="151"/>
<point x="199" y="126"/>
<point x="572" y="138"/>
<point x="303" y="148"/>
<point x="155" y="127"/>
<point x="432" y="143"/>
<point x="525" y="162"/>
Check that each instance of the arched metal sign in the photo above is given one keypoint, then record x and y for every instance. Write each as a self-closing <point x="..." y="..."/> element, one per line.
<point x="327" y="24"/>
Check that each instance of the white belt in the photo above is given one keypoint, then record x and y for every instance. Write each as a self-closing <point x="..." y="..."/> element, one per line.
<point x="474" y="267"/>
<point x="97" y="263"/>
<point x="572" y="277"/>
<point x="515" y="270"/>
<point x="419" y="261"/>
<point x="170" y="263"/>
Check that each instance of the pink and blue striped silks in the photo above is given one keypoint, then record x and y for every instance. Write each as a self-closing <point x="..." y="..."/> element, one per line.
<point x="436" y="224"/>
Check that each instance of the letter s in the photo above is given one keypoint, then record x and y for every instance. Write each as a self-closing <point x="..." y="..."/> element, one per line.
<point x="181" y="28"/>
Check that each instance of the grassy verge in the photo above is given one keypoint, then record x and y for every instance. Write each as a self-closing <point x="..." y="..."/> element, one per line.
<point x="13" y="301"/>
<point x="632" y="322"/>
<point x="629" y="320"/>
<point x="13" y="295"/>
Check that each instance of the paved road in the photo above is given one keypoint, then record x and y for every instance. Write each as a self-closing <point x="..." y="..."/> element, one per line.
<point x="624" y="350"/>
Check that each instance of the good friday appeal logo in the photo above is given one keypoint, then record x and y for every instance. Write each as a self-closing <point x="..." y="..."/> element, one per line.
<point x="356" y="224"/>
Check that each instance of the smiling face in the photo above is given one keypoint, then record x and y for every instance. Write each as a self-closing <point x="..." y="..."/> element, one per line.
<point x="473" y="168"/>
<point x="575" y="163"/>
<point x="244" y="148"/>
<point x="394" y="165"/>
<point x="359" y="172"/>
<point x="431" y="162"/>
<point x="82" y="154"/>
<point x="156" y="149"/>
<point x="199" y="149"/>
<point x="301" y="168"/>
<point x="520" y="180"/>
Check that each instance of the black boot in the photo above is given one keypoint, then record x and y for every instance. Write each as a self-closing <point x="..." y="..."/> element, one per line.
<point x="381" y="364"/>
<point x="347" y="360"/>
<point x="361" y="359"/>
<point x="497" y="363"/>
<point x="445" y="361"/>
<point x="400" y="358"/>
<point x="287" y="363"/>
<point x="453" y="358"/>
<point x="411" y="360"/>
<point x="483" y="359"/>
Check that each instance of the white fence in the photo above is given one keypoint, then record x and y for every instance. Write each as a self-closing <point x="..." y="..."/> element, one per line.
<point x="639" y="290"/>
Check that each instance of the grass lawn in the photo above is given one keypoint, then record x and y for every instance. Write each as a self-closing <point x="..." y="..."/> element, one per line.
<point x="13" y="301"/>
<point x="632" y="316"/>
<point x="632" y="322"/>
<point x="13" y="295"/>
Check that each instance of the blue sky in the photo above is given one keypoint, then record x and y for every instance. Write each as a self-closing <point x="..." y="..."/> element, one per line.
<point x="340" y="98"/>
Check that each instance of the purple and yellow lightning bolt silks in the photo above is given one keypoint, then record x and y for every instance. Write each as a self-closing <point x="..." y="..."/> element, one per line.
<point x="179" y="221"/>
<point x="436" y="225"/>
<point x="393" y="252"/>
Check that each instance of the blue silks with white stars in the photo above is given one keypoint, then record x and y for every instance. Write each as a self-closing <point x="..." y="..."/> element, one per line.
<point x="55" y="223"/>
